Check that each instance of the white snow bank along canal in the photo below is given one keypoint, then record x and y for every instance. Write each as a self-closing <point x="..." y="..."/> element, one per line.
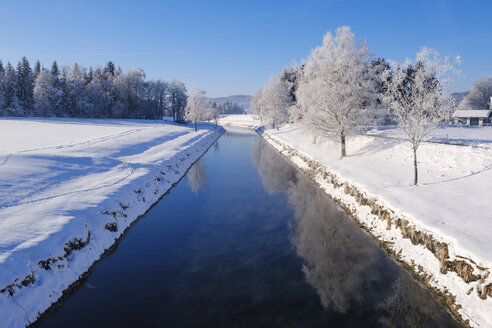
<point x="442" y="228"/>
<point x="68" y="190"/>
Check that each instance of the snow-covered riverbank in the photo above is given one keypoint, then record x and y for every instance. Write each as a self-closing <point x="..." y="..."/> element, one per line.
<point x="441" y="229"/>
<point x="69" y="188"/>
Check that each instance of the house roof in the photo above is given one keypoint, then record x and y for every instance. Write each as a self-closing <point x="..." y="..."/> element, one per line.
<point x="471" y="113"/>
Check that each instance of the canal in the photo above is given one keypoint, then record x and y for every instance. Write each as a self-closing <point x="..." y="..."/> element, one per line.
<point x="247" y="240"/>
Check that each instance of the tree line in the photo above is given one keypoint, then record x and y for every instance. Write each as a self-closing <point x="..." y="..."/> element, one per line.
<point x="94" y="92"/>
<point x="78" y="91"/>
<point x="341" y="88"/>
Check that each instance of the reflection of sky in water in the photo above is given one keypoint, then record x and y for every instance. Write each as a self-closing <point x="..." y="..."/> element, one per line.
<point x="247" y="241"/>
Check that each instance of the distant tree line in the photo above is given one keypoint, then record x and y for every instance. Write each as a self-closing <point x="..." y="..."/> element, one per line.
<point x="94" y="92"/>
<point x="227" y="107"/>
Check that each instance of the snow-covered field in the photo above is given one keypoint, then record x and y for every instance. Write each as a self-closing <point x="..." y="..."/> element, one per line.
<point x="241" y="120"/>
<point x="68" y="190"/>
<point x="452" y="203"/>
<point x="460" y="135"/>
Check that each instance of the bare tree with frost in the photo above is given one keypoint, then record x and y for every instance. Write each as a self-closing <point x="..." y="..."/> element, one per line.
<point x="335" y="89"/>
<point x="275" y="102"/>
<point x="417" y="96"/>
<point x="480" y="94"/>
<point x="214" y="114"/>
<point x="255" y="104"/>
<point x="44" y="93"/>
<point x="196" y="106"/>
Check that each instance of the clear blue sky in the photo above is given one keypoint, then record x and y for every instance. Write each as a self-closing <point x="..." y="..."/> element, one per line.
<point x="231" y="47"/>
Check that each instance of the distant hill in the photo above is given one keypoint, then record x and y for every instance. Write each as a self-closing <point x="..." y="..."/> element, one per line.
<point x="241" y="100"/>
<point x="458" y="96"/>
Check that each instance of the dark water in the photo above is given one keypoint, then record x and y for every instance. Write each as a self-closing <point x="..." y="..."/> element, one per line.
<point x="246" y="240"/>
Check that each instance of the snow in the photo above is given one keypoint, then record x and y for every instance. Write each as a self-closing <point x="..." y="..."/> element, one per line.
<point x="471" y="113"/>
<point x="453" y="197"/>
<point x="458" y="135"/>
<point x="62" y="179"/>
<point x="452" y="201"/>
<point x="241" y="120"/>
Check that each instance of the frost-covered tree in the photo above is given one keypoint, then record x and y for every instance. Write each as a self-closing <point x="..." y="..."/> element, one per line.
<point x="130" y="88"/>
<point x="256" y="103"/>
<point x="291" y="76"/>
<point x="59" y="108"/>
<point x="54" y="69"/>
<point x="212" y="112"/>
<point x="228" y="107"/>
<point x="196" y="106"/>
<point x="37" y="69"/>
<point x="2" y="97"/>
<point x="416" y="94"/>
<point x="11" y="103"/>
<point x="97" y="92"/>
<point x="109" y="69"/>
<point x="76" y="91"/>
<point x="214" y="115"/>
<point x="335" y="89"/>
<point x="162" y="88"/>
<point x="25" y="86"/>
<point x="152" y="99"/>
<point x="45" y="93"/>
<point x="177" y="100"/>
<point x="275" y="102"/>
<point x="480" y="93"/>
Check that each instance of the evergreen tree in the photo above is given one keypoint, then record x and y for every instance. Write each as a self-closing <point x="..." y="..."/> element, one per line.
<point x="78" y="104"/>
<point x="74" y="91"/>
<point x="10" y="96"/>
<point x="58" y="90"/>
<point x="109" y="69"/>
<point x="54" y="69"/>
<point x="25" y="86"/>
<point x="88" y="77"/>
<point x="37" y="69"/>
<point x="2" y="97"/>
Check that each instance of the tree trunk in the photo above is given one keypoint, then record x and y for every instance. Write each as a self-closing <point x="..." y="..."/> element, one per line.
<point x="415" y="173"/>
<point x="195" y="126"/>
<point x="342" y="142"/>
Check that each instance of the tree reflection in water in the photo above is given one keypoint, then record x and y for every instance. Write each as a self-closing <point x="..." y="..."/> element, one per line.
<point x="197" y="178"/>
<point x="341" y="262"/>
<point x="337" y="260"/>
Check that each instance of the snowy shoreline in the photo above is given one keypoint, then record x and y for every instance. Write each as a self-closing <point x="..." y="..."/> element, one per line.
<point x="459" y="282"/>
<point x="452" y="278"/>
<point x="90" y="220"/>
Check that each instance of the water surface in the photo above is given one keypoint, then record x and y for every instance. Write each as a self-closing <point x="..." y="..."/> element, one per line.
<point x="247" y="240"/>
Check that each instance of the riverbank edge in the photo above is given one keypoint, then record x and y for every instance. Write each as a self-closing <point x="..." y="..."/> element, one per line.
<point x="401" y="239"/>
<point x="123" y="215"/>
